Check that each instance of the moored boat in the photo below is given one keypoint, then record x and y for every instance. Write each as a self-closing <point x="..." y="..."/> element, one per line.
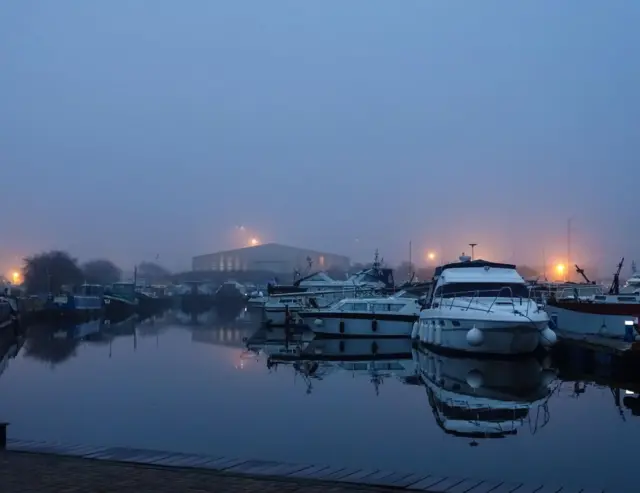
<point x="392" y="316"/>
<point x="121" y="300"/>
<point x="84" y="301"/>
<point x="319" y="290"/>
<point x="482" y="307"/>
<point x="610" y="314"/>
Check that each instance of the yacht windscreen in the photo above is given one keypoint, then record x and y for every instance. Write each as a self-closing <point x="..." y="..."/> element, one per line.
<point x="482" y="290"/>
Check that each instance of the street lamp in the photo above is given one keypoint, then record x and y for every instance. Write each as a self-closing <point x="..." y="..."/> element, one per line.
<point x="431" y="256"/>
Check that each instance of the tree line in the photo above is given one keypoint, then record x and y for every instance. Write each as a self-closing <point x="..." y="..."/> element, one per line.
<point x="47" y="272"/>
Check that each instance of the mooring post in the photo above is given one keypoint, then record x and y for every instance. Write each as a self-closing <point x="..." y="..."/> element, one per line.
<point x="3" y="435"/>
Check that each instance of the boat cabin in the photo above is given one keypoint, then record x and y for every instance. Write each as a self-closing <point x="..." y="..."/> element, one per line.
<point x="478" y="279"/>
<point x="375" y="305"/>
<point x="125" y="290"/>
<point x="89" y="290"/>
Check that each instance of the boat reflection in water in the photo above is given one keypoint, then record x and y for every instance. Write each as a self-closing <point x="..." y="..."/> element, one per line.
<point x="216" y="317"/>
<point x="470" y="397"/>
<point x="10" y="345"/>
<point x="485" y="398"/>
<point x="316" y="359"/>
<point x="278" y="342"/>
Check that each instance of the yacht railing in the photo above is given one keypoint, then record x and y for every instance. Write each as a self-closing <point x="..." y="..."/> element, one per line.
<point x="476" y="297"/>
<point x="577" y="292"/>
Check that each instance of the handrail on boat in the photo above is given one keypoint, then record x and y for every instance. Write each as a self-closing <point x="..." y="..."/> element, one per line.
<point x="498" y="295"/>
<point x="476" y="294"/>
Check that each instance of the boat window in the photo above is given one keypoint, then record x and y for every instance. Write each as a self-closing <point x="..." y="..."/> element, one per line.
<point x="626" y="298"/>
<point x="488" y="415"/>
<point x="391" y="307"/>
<point x="359" y="307"/>
<point x="387" y="307"/>
<point x="482" y="290"/>
<point x="346" y="307"/>
<point x="123" y="289"/>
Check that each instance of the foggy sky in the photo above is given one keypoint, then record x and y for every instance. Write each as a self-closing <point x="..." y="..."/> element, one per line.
<point x="130" y="129"/>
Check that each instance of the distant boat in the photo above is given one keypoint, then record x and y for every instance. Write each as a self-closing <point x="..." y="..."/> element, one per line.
<point x="120" y="300"/>
<point x="231" y="293"/>
<point x="86" y="299"/>
<point x="6" y="312"/>
<point x="152" y="299"/>
<point x="393" y="316"/>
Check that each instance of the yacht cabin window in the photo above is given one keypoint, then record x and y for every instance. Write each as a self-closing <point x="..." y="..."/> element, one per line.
<point x="354" y="307"/>
<point x="482" y="290"/>
<point x="388" y="307"/>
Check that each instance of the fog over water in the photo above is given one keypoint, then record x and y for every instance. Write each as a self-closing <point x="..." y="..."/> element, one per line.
<point x="136" y="129"/>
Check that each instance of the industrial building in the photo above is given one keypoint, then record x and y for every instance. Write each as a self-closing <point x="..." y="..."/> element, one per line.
<point x="272" y="257"/>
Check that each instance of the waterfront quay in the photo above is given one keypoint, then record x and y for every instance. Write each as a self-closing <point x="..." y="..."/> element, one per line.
<point x="40" y="467"/>
<point x="42" y="473"/>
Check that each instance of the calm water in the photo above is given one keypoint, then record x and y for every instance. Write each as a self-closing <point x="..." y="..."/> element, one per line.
<point x="188" y="384"/>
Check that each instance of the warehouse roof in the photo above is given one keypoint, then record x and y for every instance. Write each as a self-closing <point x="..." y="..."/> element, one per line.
<point x="270" y="246"/>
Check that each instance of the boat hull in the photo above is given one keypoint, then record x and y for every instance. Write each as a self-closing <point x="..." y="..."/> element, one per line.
<point x="499" y="337"/>
<point x="617" y="322"/>
<point x="326" y="325"/>
<point x="277" y="316"/>
<point x="118" y="308"/>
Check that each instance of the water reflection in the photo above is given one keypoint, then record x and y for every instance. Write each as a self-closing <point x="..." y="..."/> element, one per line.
<point x="55" y="344"/>
<point x="481" y="398"/>
<point x="10" y="345"/>
<point x="314" y="360"/>
<point x="216" y="383"/>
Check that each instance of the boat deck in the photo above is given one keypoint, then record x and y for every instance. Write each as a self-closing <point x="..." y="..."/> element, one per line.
<point x="44" y="468"/>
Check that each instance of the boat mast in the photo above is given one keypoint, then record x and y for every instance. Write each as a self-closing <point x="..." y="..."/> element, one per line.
<point x="473" y="246"/>
<point x="410" y="264"/>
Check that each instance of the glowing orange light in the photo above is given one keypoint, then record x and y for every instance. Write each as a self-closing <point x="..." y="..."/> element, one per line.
<point x="560" y="268"/>
<point x="254" y="242"/>
<point x="15" y="276"/>
<point x="431" y="255"/>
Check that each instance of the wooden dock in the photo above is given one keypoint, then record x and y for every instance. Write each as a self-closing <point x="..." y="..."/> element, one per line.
<point x="47" y="467"/>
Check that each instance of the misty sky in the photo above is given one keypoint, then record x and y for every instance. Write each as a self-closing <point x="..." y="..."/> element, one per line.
<point x="135" y="128"/>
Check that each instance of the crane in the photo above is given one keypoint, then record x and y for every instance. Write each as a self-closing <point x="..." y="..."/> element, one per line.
<point x="584" y="276"/>
<point x="615" y="284"/>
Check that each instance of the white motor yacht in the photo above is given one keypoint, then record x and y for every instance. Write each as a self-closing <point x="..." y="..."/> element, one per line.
<point x="392" y="316"/>
<point x="482" y="307"/>
<point x="632" y="286"/>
